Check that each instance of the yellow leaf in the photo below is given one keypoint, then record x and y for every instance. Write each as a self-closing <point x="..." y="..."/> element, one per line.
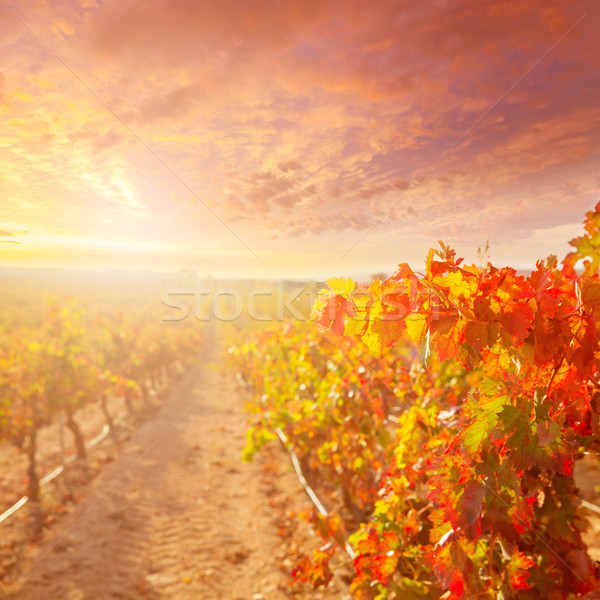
<point x="458" y="286"/>
<point x="355" y="325"/>
<point x="341" y="286"/>
<point x="372" y="340"/>
<point x="416" y="326"/>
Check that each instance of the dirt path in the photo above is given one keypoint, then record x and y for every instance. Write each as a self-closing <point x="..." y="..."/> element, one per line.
<point x="176" y="515"/>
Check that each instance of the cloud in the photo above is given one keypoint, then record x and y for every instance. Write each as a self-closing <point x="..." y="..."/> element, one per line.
<point x="3" y="98"/>
<point x="171" y="104"/>
<point x="289" y="165"/>
<point x="300" y="119"/>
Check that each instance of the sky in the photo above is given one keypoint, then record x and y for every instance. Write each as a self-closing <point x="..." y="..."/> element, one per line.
<point x="295" y="138"/>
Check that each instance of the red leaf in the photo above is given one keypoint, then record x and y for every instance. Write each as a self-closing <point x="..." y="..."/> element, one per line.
<point x="470" y="504"/>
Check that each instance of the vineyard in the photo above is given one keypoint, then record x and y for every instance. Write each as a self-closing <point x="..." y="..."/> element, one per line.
<point x="430" y="435"/>
<point x="121" y="448"/>
<point x="436" y="420"/>
<point x="73" y="355"/>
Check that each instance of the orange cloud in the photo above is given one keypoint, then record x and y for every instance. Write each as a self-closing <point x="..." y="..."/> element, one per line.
<point x="299" y="119"/>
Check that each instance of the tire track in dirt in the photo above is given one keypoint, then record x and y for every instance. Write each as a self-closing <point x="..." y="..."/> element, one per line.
<point x="188" y="521"/>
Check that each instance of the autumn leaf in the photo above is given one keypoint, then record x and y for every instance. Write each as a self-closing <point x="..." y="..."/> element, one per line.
<point x="341" y="286"/>
<point x="519" y="570"/>
<point x="471" y="504"/>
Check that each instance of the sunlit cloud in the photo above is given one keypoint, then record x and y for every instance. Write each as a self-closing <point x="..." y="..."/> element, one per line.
<point x="297" y="125"/>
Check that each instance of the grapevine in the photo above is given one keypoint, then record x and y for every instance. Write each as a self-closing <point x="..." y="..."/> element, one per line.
<point x="73" y="359"/>
<point x="472" y="493"/>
